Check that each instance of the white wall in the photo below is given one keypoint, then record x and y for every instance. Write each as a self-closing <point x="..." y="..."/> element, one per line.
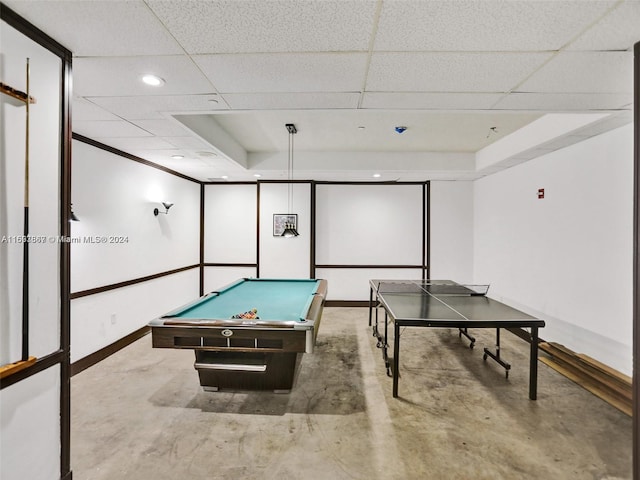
<point x="30" y="409"/>
<point x="371" y="224"/>
<point x="451" y="222"/>
<point x="30" y="426"/>
<point x="230" y="223"/>
<point x="568" y="257"/>
<point x="282" y="257"/>
<point x="44" y="155"/>
<point x="114" y="198"/>
<point x="101" y="319"/>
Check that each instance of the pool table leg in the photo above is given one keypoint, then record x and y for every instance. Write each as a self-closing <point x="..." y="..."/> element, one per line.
<point x="247" y="371"/>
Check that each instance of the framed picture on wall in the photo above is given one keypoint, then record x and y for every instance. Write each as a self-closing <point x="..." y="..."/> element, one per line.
<point x="281" y="220"/>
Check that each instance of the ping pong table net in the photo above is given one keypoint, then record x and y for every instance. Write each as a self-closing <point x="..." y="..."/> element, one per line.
<point x="419" y="287"/>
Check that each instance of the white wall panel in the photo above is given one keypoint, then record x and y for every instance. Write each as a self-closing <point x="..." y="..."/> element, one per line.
<point x="451" y="231"/>
<point x="102" y="319"/>
<point x="230" y="223"/>
<point x="369" y="224"/>
<point x="118" y="237"/>
<point x="567" y="257"/>
<point x="30" y="427"/>
<point x="44" y="194"/>
<point x="285" y="257"/>
<point x="353" y="283"/>
<point x="216" y="277"/>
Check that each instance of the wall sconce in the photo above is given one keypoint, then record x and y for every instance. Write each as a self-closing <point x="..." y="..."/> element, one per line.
<point x="72" y="216"/>
<point x="167" y="206"/>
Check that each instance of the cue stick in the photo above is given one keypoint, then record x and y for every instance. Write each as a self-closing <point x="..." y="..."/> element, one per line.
<point x="25" y="257"/>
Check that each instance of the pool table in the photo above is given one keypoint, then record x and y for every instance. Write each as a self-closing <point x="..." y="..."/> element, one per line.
<point x="259" y="353"/>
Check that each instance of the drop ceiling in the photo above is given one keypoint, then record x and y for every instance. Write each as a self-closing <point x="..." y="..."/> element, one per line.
<point x="462" y="76"/>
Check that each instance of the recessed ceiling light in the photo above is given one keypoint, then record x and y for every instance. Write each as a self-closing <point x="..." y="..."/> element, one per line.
<point x="177" y="157"/>
<point x="257" y="175"/>
<point x="361" y="127"/>
<point x="153" y="80"/>
<point x="376" y="175"/>
<point x="224" y="177"/>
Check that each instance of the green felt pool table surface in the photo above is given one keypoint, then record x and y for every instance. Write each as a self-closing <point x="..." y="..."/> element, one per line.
<point x="274" y="300"/>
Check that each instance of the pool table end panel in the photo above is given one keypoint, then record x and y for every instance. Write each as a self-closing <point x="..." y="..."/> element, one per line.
<point x="218" y="338"/>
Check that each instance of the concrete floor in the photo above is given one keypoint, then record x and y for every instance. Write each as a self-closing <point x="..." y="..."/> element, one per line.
<point x="141" y="414"/>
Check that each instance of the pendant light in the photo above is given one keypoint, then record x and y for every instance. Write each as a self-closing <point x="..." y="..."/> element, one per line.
<point x="290" y="228"/>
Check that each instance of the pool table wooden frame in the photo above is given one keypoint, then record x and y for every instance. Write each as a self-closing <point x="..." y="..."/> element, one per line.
<point x="240" y="354"/>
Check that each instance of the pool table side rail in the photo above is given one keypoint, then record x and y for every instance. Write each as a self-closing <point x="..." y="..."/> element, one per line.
<point x="242" y="340"/>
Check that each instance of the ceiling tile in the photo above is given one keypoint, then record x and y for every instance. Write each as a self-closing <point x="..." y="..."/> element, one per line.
<point x="104" y="129"/>
<point x="282" y="72"/>
<point x="163" y="127"/>
<point x="488" y="25"/>
<point x="105" y="76"/>
<point x="430" y="101"/>
<point x="565" y="101"/>
<point x="163" y="157"/>
<point x="152" y="107"/>
<point x="133" y="145"/>
<point x="584" y="72"/>
<point x="619" y="30"/>
<point x="100" y="28"/>
<point x="84" y="110"/>
<point x="190" y="143"/>
<point x="268" y="26"/>
<point x="281" y="101"/>
<point x="451" y="72"/>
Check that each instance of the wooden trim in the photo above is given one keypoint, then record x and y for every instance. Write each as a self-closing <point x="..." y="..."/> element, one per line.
<point x="42" y="363"/>
<point x="258" y="230"/>
<point x="636" y="264"/>
<point x="15" y="367"/>
<point x="391" y="182"/>
<point x="214" y="264"/>
<point x="17" y="94"/>
<point x="284" y="181"/>
<point x="222" y="183"/>
<point x="372" y="266"/>
<point x="202" y="226"/>
<point x="115" y="151"/>
<point x="126" y="283"/>
<point x="96" y="357"/>
<point x="312" y="231"/>
<point x="426" y="231"/>
<point x="65" y="271"/>
<point x="346" y="303"/>
<point x="603" y="381"/>
<point x="34" y="33"/>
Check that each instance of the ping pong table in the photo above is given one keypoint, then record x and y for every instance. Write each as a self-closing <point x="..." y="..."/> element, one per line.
<point x="447" y="304"/>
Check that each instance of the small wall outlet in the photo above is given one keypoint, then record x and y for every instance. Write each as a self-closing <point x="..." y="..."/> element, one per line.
<point x="114" y="319"/>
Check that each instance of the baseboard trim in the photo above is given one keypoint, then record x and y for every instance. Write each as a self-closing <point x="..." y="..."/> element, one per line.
<point x="96" y="357"/>
<point x="346" y="303"/>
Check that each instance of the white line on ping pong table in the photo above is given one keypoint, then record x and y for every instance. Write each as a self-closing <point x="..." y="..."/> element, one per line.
<point x="426" y="282"/>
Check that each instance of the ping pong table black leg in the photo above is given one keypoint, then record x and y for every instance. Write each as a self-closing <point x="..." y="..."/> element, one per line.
<point x="370" y="304"/>
<point x="496" y="356"/>
<point x="385" y="345"/>
<point x="464" y="331"/>
<point x="533" y="365"/>
<point x="396" y="357"/>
